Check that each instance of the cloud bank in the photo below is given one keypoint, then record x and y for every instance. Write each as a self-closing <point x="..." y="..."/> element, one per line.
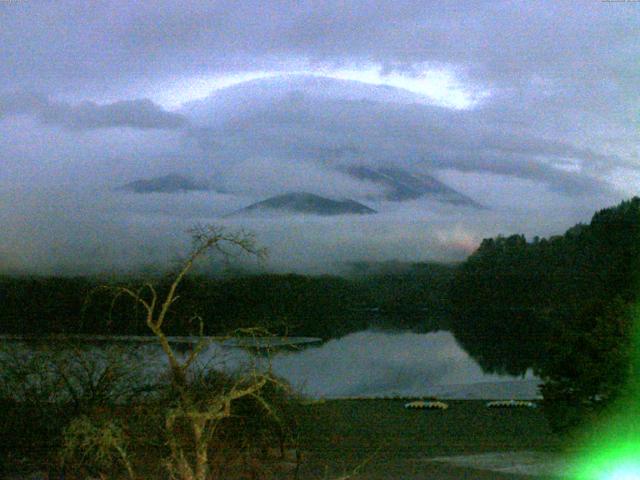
<point x="529" y="109"/>
<point x="141" y="113"/>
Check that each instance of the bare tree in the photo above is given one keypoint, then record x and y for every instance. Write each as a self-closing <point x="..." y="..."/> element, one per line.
<point x="206" y="239"/>
<point x="201" y="416"/>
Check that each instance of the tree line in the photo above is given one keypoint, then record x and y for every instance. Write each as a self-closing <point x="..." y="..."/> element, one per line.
<point x="563" y="306"/>
<point x="319" y="306"/>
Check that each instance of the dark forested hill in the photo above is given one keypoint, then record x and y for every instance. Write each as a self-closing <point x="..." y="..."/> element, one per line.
<point x="323" y="306"/>
<point x="513" y="300"/>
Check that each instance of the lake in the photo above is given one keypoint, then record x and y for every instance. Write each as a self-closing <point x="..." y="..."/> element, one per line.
<point x="380" y="363"/>
<point x="370" y="363"/>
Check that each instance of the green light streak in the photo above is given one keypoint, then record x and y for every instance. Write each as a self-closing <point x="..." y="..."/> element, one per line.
<point x="610" y="450"/>
<point x="613" y="461"/>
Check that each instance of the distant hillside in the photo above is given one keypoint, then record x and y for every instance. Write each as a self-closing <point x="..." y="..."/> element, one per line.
<point x="172" y="183"/>
<point x="302" y="202"/>
<point x="402" y="185"/>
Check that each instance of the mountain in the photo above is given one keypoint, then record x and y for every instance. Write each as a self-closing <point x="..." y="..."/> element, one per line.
<point x="172" y="183"/>
<point x="402" y="185"/>
<point x="302" y="202"/>
<point x="266" y="127"/>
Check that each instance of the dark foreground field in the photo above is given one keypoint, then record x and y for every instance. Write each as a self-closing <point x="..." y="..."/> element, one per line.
<point x="380" y="439"/>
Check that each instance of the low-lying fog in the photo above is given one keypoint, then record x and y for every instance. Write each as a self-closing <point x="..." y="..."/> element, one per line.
<point x="61" y="165"/>
<point x="72" y="230"/>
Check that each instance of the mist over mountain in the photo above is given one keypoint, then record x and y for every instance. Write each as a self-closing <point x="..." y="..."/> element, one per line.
<point x="440" y="179"/>
<point x="172" y="183"/>
<point x="303" y="202"/>
<point x="386" y="149"/>
<point x="255" y="96"/>
<point x="306" y="124"/>
<point x="401" y="185"/>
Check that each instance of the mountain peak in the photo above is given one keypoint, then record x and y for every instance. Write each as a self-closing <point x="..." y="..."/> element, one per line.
<point x="171" y="183"/>
<point x="403" y="185"/>
<point x="304" y="202"/>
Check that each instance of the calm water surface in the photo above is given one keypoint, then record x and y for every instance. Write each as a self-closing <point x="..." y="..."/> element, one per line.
<point x="368" y="363"/>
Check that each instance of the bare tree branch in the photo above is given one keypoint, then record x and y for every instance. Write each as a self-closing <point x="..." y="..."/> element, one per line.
<point x="202" y="419"/>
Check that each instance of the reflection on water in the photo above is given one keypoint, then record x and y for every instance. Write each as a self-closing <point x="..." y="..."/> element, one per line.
<point x="367" y="363"/>
<point x="373" y="363"/>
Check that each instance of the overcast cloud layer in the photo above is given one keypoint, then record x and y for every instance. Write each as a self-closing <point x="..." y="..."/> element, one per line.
<point x="529" y="108"/>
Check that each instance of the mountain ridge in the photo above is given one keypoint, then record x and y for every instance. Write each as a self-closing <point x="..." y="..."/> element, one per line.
<point x="403" y="185"/>
<point x="327" y="122"/>
<point x="305" y="202"/>
<point x="171" y="183"/>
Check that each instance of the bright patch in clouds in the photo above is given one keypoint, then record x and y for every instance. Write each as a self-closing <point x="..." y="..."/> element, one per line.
<point x="178" y="92"/>
<point x="438" y="86"/>
<point x="458" y="238"/>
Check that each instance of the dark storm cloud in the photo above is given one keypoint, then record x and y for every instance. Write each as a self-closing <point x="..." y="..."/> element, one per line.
<point x="141" y="113"/>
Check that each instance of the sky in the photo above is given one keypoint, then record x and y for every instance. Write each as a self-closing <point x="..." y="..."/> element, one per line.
<point x="529" y="108"/>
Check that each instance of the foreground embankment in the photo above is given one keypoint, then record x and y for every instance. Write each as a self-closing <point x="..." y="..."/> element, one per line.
<point x="381" y="439"/>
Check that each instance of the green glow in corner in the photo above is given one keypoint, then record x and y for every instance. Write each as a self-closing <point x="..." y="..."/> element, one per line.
<point x="610" y="450"/>
<point x="624" y="472"/>
<point x="614" y="461"/>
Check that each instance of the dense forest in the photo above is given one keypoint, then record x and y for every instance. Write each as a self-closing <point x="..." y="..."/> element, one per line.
<point x="563" y="306"/>
<point x="413" y="296"/>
